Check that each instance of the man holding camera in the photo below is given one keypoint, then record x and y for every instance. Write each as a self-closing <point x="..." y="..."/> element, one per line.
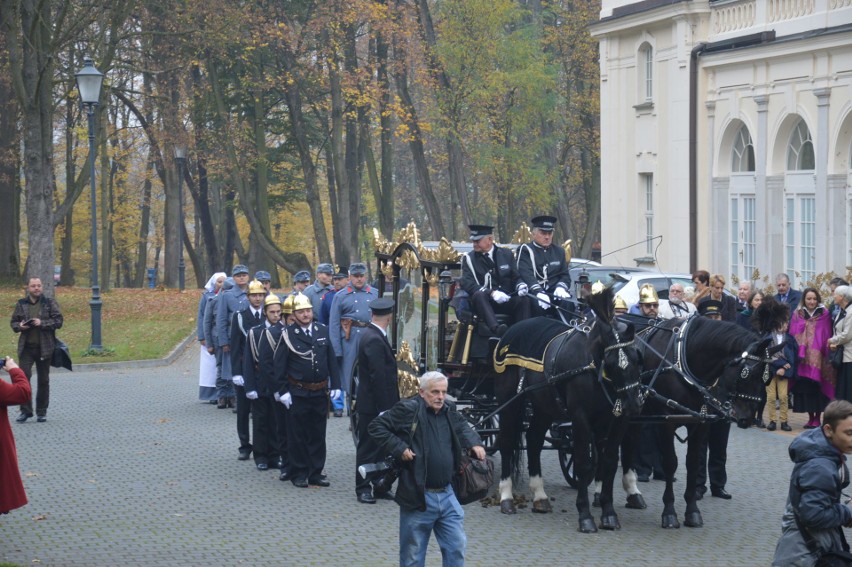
<point x="36" y="318"/>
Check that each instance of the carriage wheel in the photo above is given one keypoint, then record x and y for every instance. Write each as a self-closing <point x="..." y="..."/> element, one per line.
<point x="566" y="457"/>
<point x="351" y="405"/>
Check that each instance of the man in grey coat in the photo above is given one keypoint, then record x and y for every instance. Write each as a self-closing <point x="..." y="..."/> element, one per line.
<point x="320" y="287"/>
<point x="230" y="302"/>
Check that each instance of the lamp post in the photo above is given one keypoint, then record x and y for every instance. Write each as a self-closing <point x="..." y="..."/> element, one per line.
<point x="180" y="158"/>
<point x="89" y="81"/>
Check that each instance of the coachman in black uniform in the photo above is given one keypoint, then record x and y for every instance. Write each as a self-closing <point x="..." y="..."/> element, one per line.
<point x="305" y="370"/>
<point x="378" y="390"/>
<point x="241" y="323"/>
<point x="270" y="449"/>
<point x="490" y="278"/>
<point x="543" y="267"/>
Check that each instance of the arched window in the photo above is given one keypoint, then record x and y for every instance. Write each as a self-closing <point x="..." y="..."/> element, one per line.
<point x="645" y="66"/>
<point x="800" y="151"/>
<point x="742" y="155"/>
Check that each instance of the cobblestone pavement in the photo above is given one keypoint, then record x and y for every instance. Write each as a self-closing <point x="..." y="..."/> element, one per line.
<point x="131" y="469"/>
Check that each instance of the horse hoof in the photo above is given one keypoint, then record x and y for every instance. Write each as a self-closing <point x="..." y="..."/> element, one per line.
<point x="610" y="523"/>
<point x="508" y="507"/>
<point x="636" y="502"/>
<point x="542" y="506"/>
<point x="670" y="522"/>
<point x="693" y="520"/>
<point x="587" y="526"/>
<point x="597" y="501"/>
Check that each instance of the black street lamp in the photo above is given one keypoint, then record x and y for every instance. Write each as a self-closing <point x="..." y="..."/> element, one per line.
<point x="180" y="158"/>
<point x="89" y="81"/>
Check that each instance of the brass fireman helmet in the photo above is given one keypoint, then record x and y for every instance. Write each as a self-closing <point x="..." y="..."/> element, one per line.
<point x="620" y="303"/>
<point x="256" y="287"/>
<point x="598" y="287"/>
<point x="301" y="301"/>
<point x="647" y="294"/>
<point x="272" y="299"/>
<point x="287" y="306"/>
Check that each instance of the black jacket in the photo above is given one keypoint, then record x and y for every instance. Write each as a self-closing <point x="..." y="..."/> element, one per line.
<point x="241" y="323"/>
<point x="305" y="359"/>
<point x="393" y="431"/>
<point x="258" y="370"/>
<point x="378" y="389"/>
<point x="532" y="261"/>
<point x="503" y="271"/>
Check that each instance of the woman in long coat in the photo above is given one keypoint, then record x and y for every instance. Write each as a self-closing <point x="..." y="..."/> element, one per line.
<point x="12" y="493"/>
<point x="843" y="337"/>
<point x="207" y="361"/>
<point x="815" y="378"/>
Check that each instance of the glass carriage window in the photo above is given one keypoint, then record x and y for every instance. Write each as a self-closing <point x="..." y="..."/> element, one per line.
<point x="742" y="155"/>
<point x="800" y="151"/>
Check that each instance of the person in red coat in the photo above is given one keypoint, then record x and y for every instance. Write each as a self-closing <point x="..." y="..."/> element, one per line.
<point x="12" y="493"/>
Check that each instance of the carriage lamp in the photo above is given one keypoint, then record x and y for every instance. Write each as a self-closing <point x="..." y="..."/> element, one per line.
<point x="445" y="284"/>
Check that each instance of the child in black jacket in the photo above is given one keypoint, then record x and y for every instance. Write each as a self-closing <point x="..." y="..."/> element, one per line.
<point x="783" y="369"/>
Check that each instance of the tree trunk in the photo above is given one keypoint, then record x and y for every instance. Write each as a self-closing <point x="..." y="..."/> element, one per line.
<point x="384" y="200"/>
<point x="10" y="186"/>
<point x="343" y="247"/>
<point x="105" y="208"/>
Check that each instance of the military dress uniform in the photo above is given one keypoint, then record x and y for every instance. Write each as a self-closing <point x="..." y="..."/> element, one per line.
<point x="243" y="321"/>
<point x="229" y="302"/>
<point x="350" y="308"/>
<point x="305" y="369"/>
<point x="270" y="448"/>
<point x="378" y="391"/>
<point x="543" y="270"/>
<point x="483" y="273"/>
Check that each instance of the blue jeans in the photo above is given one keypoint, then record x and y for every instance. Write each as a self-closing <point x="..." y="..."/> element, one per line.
<point x="445" y="516"/>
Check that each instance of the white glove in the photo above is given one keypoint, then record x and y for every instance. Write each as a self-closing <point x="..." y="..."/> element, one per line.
<point x="523" y="290"/>
<point x="276" y="396"/>
<point x="543" y="300"/>
<point x="238" y="380"/>
<point x="287" y="400"/>
<point x="561" y="293"/>
<point x="499" y="297"/>
<point x="335" y="394"/>
<point x="251" y="395"/>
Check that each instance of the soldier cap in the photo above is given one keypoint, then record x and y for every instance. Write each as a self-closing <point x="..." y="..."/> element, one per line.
<point x="341" y="274"/>
<point x="325" y="268"/>
<point x="478" y="231"/>
<point x="357" y="269"/>
<point x="239" y="269"/>
<point x="544" y="222"/>
<point x="256" y="287"/>
<point x="228" y="284"/>
<point x="381" y="306"/>
<point x="302" y="276"/>
<point x="710" y="307"/>
<point x="263" y="276"/>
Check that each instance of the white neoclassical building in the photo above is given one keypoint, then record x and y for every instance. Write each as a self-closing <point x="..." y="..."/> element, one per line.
<point x="726" y="128"/>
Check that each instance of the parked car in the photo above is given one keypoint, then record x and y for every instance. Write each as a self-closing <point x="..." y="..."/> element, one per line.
<point x="629" y="289"/>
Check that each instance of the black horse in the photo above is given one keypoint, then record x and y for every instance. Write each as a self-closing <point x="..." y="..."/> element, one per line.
<point x="589" y="376"/>
<point x="695" y="371"/>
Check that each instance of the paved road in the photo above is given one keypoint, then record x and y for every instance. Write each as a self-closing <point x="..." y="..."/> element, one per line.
<point x="131" y="469"/>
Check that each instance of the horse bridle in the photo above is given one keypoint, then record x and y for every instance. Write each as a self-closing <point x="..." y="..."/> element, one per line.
<point x="623" y="363"/>
<point x="746" y="371"/>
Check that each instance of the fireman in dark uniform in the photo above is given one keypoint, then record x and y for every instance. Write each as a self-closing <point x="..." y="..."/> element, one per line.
<point x="258" y="376"/>
<point x="490" y="278"/>
<point x="305" y="371"/>
<point x="543" y="267"/>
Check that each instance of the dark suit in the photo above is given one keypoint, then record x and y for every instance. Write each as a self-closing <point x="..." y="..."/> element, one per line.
<point x="481" y="275"/>
<point x="305" y="367"/>
<point x="377" y="392"/>
<point x="268" y="417"/>
<point x="793" y="298"/>
<point x="543" y="269"/>
<point x="241" y="323"/>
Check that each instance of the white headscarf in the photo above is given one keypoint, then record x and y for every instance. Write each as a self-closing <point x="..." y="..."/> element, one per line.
<point x="210" y="286"/>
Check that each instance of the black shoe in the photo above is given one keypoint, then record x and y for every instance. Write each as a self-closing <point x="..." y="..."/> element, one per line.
<point x="338" y="413"/>
<point x="262" y="466"/>
<point x="41" y="418"/>
<point x="285" y="475"/>
<point x="244" y="455"/>
<point x="223" y="403"/>
<point x="771" y="426"/>
<point x="23" y="417"/>
<point x="643" y="477"/>
<point x="300" y="482"/>
<point x="720" y="493"/>
<point x="274" y="464"/>
<point x="760" y="423"/>
<point x="321" y="481"/>
<point x="365" y="498"/>
<point x="785" y="426"/>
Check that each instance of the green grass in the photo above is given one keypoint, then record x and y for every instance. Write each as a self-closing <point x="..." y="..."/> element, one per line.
<point x="136" y="324"/>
